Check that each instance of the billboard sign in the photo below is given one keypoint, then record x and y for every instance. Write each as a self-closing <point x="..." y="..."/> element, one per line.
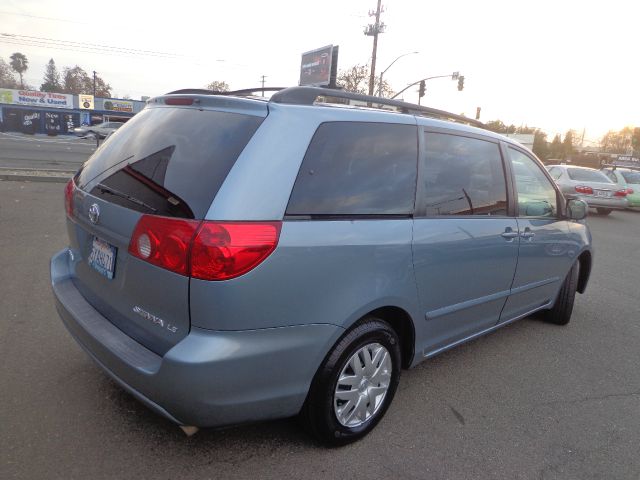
<point x="36" y="99"/>
<point x="86" y="102"/>
<point x="318" y="67"/>
<point x="117" y="105"/>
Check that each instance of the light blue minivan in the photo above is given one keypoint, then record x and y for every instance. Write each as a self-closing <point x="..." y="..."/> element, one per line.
<point x="234" y="259"/>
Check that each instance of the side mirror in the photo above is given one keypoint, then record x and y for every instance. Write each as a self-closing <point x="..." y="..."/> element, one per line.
<point x="577" y="209"/>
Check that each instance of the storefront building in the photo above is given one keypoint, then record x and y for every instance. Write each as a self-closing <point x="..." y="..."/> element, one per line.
<point x="29" y="111"/>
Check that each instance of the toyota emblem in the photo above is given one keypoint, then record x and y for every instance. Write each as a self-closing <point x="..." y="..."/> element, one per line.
<point x="94" y="213"/>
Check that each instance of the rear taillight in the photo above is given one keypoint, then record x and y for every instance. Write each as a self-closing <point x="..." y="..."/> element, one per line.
<point x="224" y="250"/>
<point x="68" y="197"/>
<point x="204" y="250"/>
<point x="584" y="189"/>
<point x="164" y="242"/>
<point x="621" y="193"/>
<point x="629" y="191"/>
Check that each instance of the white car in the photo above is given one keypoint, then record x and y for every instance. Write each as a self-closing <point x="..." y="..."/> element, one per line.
<point x="100" y="130"/>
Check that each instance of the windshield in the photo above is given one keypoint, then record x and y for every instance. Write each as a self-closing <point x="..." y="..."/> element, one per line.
<point x="585" y="175"/>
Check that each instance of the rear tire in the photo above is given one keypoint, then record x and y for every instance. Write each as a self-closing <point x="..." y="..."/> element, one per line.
<point x="355" y="385"/>
<point x="603" y="211"/>
<point x="560" y="313"/>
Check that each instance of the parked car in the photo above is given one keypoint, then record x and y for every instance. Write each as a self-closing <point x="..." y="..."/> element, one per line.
<point x="627" y="178"/>
<point x="233" y="259"/>
<point x="101" y="130"/>
<point x="591" y="186"/>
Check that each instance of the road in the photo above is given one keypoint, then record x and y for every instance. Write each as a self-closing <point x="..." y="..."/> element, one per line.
<point x="41" y="152"/>
<point x="530" y="401"/>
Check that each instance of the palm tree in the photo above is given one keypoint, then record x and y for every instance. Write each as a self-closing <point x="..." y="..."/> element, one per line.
<point x="19" y="64"/>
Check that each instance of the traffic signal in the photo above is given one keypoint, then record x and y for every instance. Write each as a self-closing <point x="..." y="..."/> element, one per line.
<point x="422" y="89"/>
<point x="460" y="83"/>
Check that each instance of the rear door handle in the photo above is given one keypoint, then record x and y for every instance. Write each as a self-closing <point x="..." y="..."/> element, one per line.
<point x="509" y="234"/>
<point x="527" y="233"/>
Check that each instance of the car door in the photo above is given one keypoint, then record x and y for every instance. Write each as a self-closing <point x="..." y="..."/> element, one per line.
<point x="545" y="254"/>
<point x="465" y="242"/>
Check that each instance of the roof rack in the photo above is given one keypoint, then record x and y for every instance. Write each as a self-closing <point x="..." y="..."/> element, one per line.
<point x="244" y="91"/>
<point x="309" y="95"/>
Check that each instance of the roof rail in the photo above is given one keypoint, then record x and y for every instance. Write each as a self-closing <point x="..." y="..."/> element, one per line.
<point x="309" y="95"/>
<point x="243" y="92"/>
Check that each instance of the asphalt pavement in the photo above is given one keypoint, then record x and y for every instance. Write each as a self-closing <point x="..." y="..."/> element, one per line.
<point x="530" y="401"/>
<point x="41" y="152"/>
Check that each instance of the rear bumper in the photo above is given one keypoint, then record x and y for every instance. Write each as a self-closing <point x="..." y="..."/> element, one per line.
<point x="595" y="202"/>
<point x="210" y="378"/>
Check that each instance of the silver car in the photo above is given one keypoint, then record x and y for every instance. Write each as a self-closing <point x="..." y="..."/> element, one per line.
<point x="590" y="186"/>
<point x="101" y="130"/>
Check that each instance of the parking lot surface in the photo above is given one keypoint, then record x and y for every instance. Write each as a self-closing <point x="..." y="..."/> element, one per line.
<point x="531" y="400"/>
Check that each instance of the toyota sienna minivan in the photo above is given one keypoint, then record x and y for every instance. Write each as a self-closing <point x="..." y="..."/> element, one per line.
<point x="235" y="259"/>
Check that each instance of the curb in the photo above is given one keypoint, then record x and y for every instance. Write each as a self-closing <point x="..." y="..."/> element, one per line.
<point x="33" y="178"/>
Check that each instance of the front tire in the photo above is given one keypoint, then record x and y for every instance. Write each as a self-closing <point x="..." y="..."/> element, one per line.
<point x="355" y="385"/>
<point x="560" y="313"/>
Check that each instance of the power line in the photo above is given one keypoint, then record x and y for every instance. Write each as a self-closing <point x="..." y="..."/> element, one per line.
<point x="82" y="46"/>
<point x="43" y="18"/>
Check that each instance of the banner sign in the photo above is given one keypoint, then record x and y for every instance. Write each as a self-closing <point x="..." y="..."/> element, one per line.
<point x="86" y="102"/>
<point x="118" y="105"/>
<point x="36" y="99"/>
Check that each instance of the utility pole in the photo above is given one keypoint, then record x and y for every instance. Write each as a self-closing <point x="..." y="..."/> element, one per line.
<point x="263" y="77"/>
<point x="373" y="31"/>
<point x="94" y="83"/>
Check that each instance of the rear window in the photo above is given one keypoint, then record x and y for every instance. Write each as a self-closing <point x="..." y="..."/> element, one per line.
<point x="168" y="161"/>
<point x="357" y="168"/>
<point x="583" y="175"/>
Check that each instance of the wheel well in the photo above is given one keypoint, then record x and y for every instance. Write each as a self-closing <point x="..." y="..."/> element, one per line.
<point x="401" y="322"/>
<point x="585" y="271"/>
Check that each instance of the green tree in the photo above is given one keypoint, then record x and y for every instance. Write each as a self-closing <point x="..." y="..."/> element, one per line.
<point x="218" y="86"/>
<point x="540" y="144"/>
<point x="568" y="144"/>
<point x="51" y="78"/>
<point x="555" y="149"/>
<point x="7" y="80"/>
<point x="356" y="80"/>
<point x="19" y="64"/>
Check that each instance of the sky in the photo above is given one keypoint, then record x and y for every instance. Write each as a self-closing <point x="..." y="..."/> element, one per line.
<point x="555" y="65"/>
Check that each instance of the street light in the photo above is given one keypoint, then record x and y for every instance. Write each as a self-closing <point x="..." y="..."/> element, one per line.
<point x="383" y="72"/>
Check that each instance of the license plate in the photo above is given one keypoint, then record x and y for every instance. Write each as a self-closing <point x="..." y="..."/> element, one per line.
<point x="602" y="193"/>
<point x="103" y="257"/>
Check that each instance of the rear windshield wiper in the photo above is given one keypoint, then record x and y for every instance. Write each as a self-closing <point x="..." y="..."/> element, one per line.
<point x="105" y="189"/>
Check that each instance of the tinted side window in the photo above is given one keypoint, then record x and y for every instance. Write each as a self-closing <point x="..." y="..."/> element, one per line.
<point x="463" y="176"/>
<point x="536" y="195"/>
<point x="357" y="168"/>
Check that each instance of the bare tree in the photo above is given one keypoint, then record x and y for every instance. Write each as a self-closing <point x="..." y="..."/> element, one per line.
<point x="218" y="86"/>
<point x="7" y="80"/>
<point x="356" y="79"/>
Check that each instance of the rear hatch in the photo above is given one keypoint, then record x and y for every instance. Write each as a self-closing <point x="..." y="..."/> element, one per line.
<point x="167" y="161"/>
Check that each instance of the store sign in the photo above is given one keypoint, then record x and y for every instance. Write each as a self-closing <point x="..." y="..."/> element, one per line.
<point x="118" y="105"/>
<point x="6" y="96"/>
<point x="86" y="102"/>
<point x="42" y="99"/>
